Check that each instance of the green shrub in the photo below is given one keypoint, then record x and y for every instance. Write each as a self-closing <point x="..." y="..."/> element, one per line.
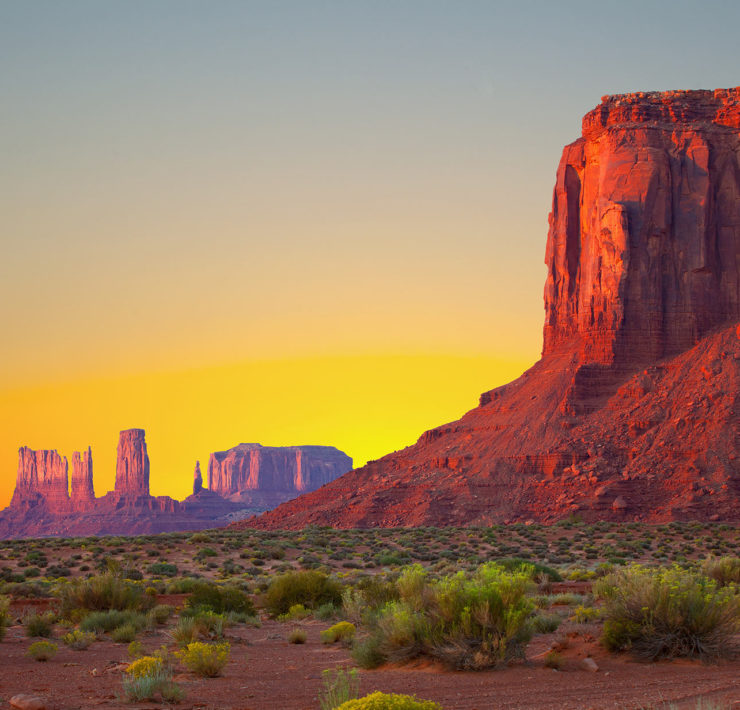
<point x="39" y="625"/>
<point x="160" y="613"/>
<point x="205" y="659"/>
<point x="135" y="650"/>
<point x="153" y="687"/>
<point x="308" y="587"/>
<point x="101" y="593"/>
<point x="162" y="569"/>
<point x="668" y="613"/>
<point x="297" y="636"/>
<point x="143" y="666"/>
<point x="4" y="615"/>
<point x="219" y="599"/>
<point x="106" y="621"/>
<point x="340" y="686"/>
<point x="341" y="631"/>
<point x="554" y="660"/>
<point x="148" y="678"/>
<point x="183" y="585"/>
<point x="58" y="571"/>
<point x="585" y="614"/>
<point x="186" y="631"/>
<point x="537" y="571"/>
<point x="388" y="701"/>
<point x="467" y="622"/>
<point x="42" y="650"/>
<point x="325" y="612"/>
<point x="724" y="570"/>
<point x="78" y="640"/>
<point x="366" y="651"/>
<point x="124" y="634"/>
<point x="295" y="613"/>
<point x="210" y="624"/>
<point x="545" y="623"/>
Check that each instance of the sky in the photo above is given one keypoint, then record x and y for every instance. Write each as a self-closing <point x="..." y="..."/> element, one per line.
<point x="292" y="222"/>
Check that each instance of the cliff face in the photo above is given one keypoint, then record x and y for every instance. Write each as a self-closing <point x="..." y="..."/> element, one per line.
<point x="42" y="479"/>
<point x="642" y="252"/>
<point x="83" y="492"/>
<point x="132" y="465"/>
<point x="631" y="414"/>
<point x="255" y="473"/>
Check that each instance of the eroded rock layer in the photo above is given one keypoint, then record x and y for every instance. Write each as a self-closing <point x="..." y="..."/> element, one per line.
<point x="632" y="412"/>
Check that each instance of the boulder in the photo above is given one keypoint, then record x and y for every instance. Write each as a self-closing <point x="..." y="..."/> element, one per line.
<point x="27" y="702"/>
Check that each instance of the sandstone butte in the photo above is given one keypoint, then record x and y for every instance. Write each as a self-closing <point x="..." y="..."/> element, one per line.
<point x="632" y="411"/>
<point x="269" y="475"/>
<point x="243" y="480"/>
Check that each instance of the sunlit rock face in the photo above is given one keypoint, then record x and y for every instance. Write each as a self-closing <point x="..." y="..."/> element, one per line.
<point x="632" y="412"/>
<point x="42" y="479"/>
<point x="132" y="465"/>
<point x="642" y="252"/>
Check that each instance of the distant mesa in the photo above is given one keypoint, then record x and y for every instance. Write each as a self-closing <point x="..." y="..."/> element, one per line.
<point x="249" y="480"/>
<point x="632" y="411"/>
<point x="269" y="475"/>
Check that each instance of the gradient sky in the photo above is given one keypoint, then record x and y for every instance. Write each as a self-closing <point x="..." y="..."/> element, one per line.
<point x="292" y="222"/>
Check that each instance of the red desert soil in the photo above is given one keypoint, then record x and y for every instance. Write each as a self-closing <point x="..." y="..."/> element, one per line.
<point x="266" y="672"/>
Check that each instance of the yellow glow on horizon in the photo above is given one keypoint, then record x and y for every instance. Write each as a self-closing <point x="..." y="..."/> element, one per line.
<point x="367" y="406"/>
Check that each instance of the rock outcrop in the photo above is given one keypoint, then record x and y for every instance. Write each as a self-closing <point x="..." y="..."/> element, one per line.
<point x="197" y="479"/>
<point x="642" y="252"/>
<point x="42" y="505"/>
<point x="42" y="479"/>
<point x="268" y="475"/>
<point x="132" y="465"/>
<point x="83" y="491"/>
<point x="632" y="412"/>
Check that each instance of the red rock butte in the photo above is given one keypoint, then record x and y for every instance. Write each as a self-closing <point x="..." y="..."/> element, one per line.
<point x="632" y="411"/>
<point x="246" y="479"/>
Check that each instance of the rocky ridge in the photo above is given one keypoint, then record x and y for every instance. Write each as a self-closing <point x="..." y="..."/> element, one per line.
<point x="632" y="412"/>
<point x="42" y="504"/>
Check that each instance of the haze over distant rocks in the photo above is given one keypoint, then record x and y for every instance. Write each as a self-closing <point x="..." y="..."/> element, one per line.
<point x="42" y="504"/>
<point x="632" y="411"/>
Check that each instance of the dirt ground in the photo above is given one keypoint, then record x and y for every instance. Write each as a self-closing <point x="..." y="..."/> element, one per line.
<point x="268" y="673"/>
